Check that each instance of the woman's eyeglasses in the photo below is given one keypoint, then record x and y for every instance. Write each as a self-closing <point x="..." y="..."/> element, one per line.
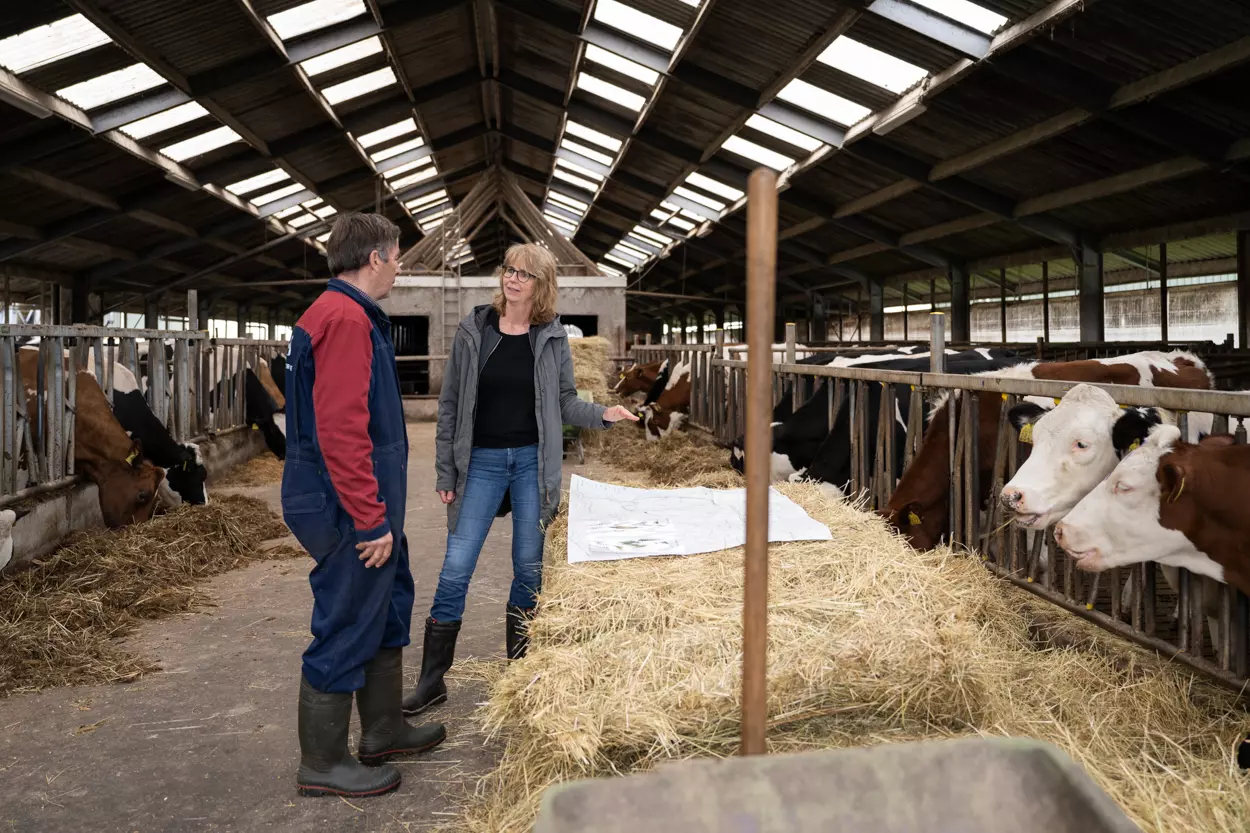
<point x="521" y="274"/>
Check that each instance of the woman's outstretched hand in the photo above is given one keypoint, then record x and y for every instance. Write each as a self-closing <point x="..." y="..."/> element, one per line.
<point x="617" y="413"/>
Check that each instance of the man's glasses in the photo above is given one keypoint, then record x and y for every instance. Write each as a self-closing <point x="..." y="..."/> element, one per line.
<point x="522" y="275"/>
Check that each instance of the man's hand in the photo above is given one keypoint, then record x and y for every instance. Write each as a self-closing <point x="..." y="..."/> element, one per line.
<point x="446" y="497"/>
<point x="617" y="413"/>
<point x="375" y="553"/>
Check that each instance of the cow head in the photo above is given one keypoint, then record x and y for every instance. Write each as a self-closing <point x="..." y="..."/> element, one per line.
<point x="660" y="421"/>
<point x="1117" y="523"/>
<point x="922" y="526"/>
<point x="636" y="379"/>
<point x="128" y="488"/>
<point x="1076" y="444"/>
<point x="7" y="518"/>
<point x="188" y="478"/>
<point x="275" y="438"/>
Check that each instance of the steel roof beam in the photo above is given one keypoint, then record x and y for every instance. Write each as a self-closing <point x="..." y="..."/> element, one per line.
<point x="935" y="26"/>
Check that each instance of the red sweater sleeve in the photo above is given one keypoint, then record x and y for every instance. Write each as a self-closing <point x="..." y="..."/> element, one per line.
<point x="343" y="356"/>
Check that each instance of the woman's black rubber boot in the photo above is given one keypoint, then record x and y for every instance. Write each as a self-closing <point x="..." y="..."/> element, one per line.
<point x="517" y="624"/>
<point x="326" y="767"/>
<point x="383" y="731"/>
<point x="437" y="654"/>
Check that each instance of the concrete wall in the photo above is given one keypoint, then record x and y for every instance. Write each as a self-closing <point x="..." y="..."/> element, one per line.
<point x="423" y="295"/>
<point x="46" y="520"/>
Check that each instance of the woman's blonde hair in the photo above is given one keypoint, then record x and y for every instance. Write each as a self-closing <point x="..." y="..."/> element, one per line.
<point x="541" y="263"/>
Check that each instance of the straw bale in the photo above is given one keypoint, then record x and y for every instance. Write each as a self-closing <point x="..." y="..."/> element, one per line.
<point x="635" y="662"/>
<point x="679" y="459"/>
<point x="60" y="619"/>
<point x="261" y="470"/>
<point x="590" y="365"/>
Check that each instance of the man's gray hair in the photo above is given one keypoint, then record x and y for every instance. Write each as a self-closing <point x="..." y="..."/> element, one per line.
<point x="355" y="236"/>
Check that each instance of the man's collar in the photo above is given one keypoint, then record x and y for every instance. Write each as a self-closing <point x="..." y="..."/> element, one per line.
<point x="355" y="292"/>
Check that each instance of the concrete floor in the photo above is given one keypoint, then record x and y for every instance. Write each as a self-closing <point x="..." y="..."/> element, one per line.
<point x="209" y="742"/>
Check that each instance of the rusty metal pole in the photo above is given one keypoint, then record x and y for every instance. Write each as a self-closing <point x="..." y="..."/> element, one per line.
<point x="761" y="306"/>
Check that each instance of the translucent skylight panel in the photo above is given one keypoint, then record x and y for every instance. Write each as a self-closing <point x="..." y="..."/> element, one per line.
<point x="313" y="16"/>
<point x="391" y="131"/>
<point x="558" y="221"/>
<point x="560" y="173"/>
<point x="326" y="211"/>
<point x="112" y="86"/>
<point x="654" y="236"/>
<point x="786" y="134"/>
<point x="201" y="144"/>
<point x="591" y="135"/>
<point x="313" y="203"/>
<point x="284" y="191"/>
<point x="396" y="150"/>
<point x="47" y="44"/>
<point x="427" y="200"/>
<point x="253" y="183"/>
<point x="622" y="65"/>
<point x="286" y="212"/>
<point x="567" y="202"/>
<point x="620" y="260"/>
<point x="164" y="120"/>
<point x="321" y="238"/>
<point x="603" y="267"/>
<point x="439" y="203"/>
<point x="611" y="92"/>
<point x="434" y="218"/>
<point x="872" y="65"/>
<point x="633" y="250"/>
<point x="343" y="56"/>
<point x="406" y="167"/>
<point x="412" y="179"/>
<point x="639" y="24"/>
<point x="302" y="220"/>
<point x="715" y="205"/>
<point x="627" y="255"/>
<point x="578" y="169"/>
<point x="757" y="153"/>
<point x="589" y="153"/>
<point x="822" y="102"/>
<point x="684" y="225"/>
<point x="713" y="186"/>
<point x="358" y="86"/>
<point x="969" y="14"/>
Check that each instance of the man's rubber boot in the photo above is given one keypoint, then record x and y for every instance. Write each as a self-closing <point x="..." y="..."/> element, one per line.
<point x="517" y="624"/>
<point x="326" y="767"/>
<point x="383" y="731"/>
<point x="437" y="654"/>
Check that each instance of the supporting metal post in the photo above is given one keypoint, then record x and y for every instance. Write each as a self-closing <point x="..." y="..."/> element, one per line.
<point x="876" y="311"/>
<point x="193" y="311"/>
<point x="151" y="313"/>
<point x="791" y="342"/>
<point x="961" y="305"/>
<point x="937" y="342"/>
<point x="78" y="301"/>
<point x="241" y="313"/>
<point x="904" y="312"/>
<point x="1243" y="287"/>
<point x="1089" y="286"/>
<point x="761" y="301"/>
<point x="1163" y="292"/>
<point x="1046" y="300"/>
<point x="1002" y="302"/>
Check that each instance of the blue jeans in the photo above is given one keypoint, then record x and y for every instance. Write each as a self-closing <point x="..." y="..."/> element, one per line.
<point x="492" y="473"/>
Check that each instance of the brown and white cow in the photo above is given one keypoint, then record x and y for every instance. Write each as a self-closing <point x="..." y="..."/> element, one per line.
<point x="103" y="451"/>
<point x="669" y="410"/>
<point x="919" y="508"/>
<point x="638" y="378"/>
<point x="270" y="386"/>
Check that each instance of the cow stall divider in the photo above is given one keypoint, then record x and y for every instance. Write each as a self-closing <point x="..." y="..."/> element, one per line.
<point x="197" y="393"/>
<point x="1029" y="559"/>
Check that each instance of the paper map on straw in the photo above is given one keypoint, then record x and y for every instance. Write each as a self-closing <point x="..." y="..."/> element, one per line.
<point x="607" y="523"/>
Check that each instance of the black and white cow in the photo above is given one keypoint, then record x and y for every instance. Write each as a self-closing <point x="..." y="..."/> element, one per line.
<point x="259" y="409"/>
<point x="804" y="446"/>
<point x="277" y="369"/>
<point x="183" y="464"/>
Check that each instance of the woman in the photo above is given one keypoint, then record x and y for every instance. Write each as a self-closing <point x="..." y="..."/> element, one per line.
<point x="507" y="393"/>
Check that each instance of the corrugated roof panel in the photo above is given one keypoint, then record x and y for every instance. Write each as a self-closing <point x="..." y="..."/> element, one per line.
<point x="191" y="35"/>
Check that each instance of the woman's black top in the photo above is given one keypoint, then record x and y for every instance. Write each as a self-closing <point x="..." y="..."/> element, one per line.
<point x="506" y="404"/>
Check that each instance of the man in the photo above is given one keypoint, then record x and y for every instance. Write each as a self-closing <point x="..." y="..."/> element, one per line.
<point x="344" y="490"/>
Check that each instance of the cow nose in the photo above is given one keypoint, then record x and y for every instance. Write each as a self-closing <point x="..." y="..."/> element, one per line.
<point x="1059" y="533"/>
<point x="1012" y="498"/>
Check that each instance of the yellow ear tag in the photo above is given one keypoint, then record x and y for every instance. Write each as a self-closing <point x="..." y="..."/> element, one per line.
<point x="1136" y="445"/>
<point x="131" y="459"/>
<point x="913" y="519"/>
<point x="254" y="428"/>
<point x="1026" y="434"/>
<point x="1056" y="400"/>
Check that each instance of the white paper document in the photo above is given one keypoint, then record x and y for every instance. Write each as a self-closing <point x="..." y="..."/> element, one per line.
<point x="607" y="522"/>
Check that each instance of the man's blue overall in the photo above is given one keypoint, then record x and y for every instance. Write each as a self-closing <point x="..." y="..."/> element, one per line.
<point x="356" y="610"/>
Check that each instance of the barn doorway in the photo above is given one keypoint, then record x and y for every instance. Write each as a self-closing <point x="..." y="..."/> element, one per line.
<point x="588" y="324"/>
<point x="411" y="334"/>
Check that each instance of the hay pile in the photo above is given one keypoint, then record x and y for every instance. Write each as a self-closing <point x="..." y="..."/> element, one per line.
<point x="261" y="470"/>
<point x="59" y="620"/>
<point x="683" y="458"/>
<point x="637" y="661"/>
<point x="590" y="365"/>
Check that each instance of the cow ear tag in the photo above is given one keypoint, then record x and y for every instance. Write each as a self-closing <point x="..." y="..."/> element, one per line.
<point x="1026" y="434"/>
<point x="130" y="461"/>
<point x="1136" y="445"/>
<point x="913" y="519"/>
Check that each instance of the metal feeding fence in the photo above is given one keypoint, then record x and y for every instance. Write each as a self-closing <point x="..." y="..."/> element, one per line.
<point x="196" y="390"/>
<point x="1030" y="560"/>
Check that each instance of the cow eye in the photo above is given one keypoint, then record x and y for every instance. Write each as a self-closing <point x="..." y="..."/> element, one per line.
<point x="1122" y="488"/>
<point x="1081" y="444"/>
<point x="142" y="498"/>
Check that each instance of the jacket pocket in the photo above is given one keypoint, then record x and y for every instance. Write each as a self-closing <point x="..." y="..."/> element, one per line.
<point x="308" y="518"/>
